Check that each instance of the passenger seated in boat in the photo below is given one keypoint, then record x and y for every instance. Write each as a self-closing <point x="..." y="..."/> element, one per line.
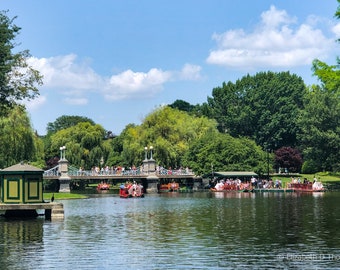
<point x="135" y="189"/>
<point x="219" y="186"/>
<point x="173" y="186"/>
<point x="317" y="185"/>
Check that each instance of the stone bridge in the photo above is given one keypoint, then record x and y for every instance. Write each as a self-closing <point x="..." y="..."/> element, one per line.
<point x="148" y="175"/>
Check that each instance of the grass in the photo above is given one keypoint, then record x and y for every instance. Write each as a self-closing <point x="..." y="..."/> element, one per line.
<point x="323" y="177"/>
<point x="63" y="196"/>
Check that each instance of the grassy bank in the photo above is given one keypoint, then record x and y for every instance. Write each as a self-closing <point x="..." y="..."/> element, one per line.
<point x="323" y="177"/>
<point x="63" y="196"/>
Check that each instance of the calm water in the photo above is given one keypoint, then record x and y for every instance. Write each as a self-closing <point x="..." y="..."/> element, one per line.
<point x="180" y="231"/>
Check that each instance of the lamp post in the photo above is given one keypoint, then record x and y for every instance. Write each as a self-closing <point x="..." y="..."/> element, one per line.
<point x="146" y="153"/>
<point x="149" y="164"/>
<point x="151" y="147"/>
<point x="62" y="152"/>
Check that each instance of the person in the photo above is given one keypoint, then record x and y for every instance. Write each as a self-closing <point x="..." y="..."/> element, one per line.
<point x="253" y="181"/>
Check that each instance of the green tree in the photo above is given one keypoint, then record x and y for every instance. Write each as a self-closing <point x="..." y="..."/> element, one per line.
<point x="320" y="130"/>
<point x="84" y="144"/>
<point x="18" y="141"/>
<point x="262" y="107"/>
<point x="320" y="121"/>
<point x="18" y="80"/>
<point x="222" y="152"/>
<point x="182" y="105"/>
<point x="66" y="121"/>
<point x="168" y="130"/>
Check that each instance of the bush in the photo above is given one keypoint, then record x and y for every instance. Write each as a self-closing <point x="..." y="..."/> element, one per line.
<point x="309" y="167"/>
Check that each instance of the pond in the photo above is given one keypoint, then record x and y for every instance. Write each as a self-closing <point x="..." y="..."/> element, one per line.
<point x="200" y="230"/>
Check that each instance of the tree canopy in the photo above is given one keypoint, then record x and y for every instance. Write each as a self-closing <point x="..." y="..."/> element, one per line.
<point x="168" y="130"/>
<point x="18" y="141"/>
<point x="84" y="144"/>
<point x="222" y="152"/>
<point x="18" y="80"/>
<point x="66" y="121"/>
<point x="262" y="107"/>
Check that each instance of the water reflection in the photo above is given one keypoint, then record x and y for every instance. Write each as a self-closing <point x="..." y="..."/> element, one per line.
<point x="179" y="231"/>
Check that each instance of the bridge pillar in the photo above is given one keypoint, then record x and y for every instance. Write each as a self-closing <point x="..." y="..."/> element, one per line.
<point x="149" y="167"/>
<point x="152" y="181"/>
<point x="64" y="179"/>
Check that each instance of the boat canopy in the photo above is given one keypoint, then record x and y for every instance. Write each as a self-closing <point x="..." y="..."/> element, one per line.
<point x="243" y="175"/>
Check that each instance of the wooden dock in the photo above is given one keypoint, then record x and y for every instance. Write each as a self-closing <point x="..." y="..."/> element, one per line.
<point x="52" y="211"/>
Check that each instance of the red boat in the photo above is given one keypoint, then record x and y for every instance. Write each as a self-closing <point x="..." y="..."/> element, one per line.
<point x="307" y="187"/>
<point x="103" y="186"/>
<point x="170" y="187"/>
<point x="131" y="191"/>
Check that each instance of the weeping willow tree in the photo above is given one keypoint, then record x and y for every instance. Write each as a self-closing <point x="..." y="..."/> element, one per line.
<point x="17" y="139"/>
<point x="168" y="130"/>
<point x="84" y="143"/>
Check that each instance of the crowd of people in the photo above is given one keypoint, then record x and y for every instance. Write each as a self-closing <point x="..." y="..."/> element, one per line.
<point x="133" y="170"/>
<point x="237" y="184"/>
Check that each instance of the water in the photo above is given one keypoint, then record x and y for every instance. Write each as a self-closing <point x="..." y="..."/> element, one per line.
<point x="180" y="231"/>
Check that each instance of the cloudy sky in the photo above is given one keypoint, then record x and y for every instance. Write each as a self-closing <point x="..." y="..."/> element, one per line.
<point x="115" y="61"/>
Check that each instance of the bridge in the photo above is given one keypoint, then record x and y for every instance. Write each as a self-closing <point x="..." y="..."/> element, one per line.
<point x="150" y="176"/>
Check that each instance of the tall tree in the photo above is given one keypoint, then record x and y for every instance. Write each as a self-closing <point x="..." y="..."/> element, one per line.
<point x="17" y="138"/>
<point x="169" y="131"/>
<point x="320" y="130"/>
<point x="18" y="79"/>
<point x="222" y="152"/>
<point x="262" y="107"/>
<point x="66" y="121"/>
<point x="84" y="144"/>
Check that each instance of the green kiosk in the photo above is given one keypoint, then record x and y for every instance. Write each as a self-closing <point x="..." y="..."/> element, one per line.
<point x="21" y="193"/>
<point x="21" y="184"/>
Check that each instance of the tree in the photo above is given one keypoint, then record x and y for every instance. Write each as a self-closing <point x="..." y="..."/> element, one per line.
<point x="18" y="141"/>
<point x="262" y="107"/>
<point x="84" y="144"/>
<point x="66" y="121"/>
<point x="288" y="158"/>
<point x="320" y="130"/>
<point x="225" y="153"/>
<point x="320" y="120"/>
<point x="18" y="80"/>
<point x="182" y="105"/>
<point x="168" y="130"/>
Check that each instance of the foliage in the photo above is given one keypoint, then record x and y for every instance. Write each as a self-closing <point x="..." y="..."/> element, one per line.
<point x="18" y="80"/>
<point x="289" y="158"/>
<point x="168" y="130"/>
<point x="182" y="105"/>
<point x="262" y="107"/>
<point x="221" y="152"/>
<point x="84" y="144"/>
<point x="66" y="121"/>
<point x="320" y="129"/>
<point x="18" y="141"/>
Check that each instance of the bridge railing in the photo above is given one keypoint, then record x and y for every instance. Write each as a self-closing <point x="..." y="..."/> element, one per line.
<point x="175" y="172"/>
<point x="72" y="172"/>
<point x="52" y="172"/>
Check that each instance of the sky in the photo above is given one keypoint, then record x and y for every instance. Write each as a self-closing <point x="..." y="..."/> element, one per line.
<point x="116" y="61"/>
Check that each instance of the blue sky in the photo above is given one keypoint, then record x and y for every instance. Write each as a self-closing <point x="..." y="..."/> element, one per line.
<point x="115" y="61"/>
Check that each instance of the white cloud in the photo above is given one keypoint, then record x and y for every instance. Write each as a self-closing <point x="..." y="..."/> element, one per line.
<point x="65" y="72"/>
<point x="129" y="84"/>
<point x="336" y="30"/>
<point x="76" y="80"/>
<point x="76" y="101"/>
<point x="273" y="43"/>
<point x="190" y="72"/>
